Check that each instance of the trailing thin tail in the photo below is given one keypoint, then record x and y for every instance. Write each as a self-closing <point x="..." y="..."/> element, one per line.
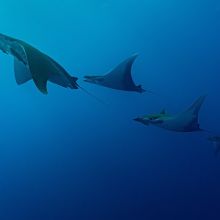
<point x="90" y="94"/>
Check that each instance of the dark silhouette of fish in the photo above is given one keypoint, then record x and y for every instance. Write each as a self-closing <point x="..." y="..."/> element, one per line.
<point x="32" y="64"/>
<point x="119" y="78"/>
<point x="186" y="121"/>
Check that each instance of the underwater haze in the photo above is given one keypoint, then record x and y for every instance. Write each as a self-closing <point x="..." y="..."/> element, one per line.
<point x="66" y="156"/>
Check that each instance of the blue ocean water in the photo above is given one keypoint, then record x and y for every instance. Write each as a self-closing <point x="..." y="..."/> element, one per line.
<point x="66" y="156"/>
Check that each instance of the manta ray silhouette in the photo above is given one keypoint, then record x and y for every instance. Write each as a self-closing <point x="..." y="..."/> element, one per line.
<point x="186" y="121"/>
<point x="119" y="78"/>
<point x="30" y="63"/>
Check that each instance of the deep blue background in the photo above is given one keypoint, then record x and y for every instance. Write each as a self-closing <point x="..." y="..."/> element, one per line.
<point x="66" y="156"/>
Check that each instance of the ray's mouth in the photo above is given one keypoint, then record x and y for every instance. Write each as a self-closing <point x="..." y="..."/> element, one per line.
<point x="88" y="79"/>
<point x="138" y="119"/>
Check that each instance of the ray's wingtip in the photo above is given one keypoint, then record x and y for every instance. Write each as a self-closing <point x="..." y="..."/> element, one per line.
<point x="202" y="98"/>
<point x="134" y="56"/>
<point x="44" y="92"/>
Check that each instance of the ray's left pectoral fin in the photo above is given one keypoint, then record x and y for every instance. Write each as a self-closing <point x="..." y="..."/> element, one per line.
<point x="22" y="72"/>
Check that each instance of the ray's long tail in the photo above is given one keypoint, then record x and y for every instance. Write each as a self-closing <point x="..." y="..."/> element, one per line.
<point x="91" y="95"/>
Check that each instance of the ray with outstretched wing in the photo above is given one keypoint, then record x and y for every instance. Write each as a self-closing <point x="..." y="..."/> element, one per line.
<point x="119" y="78"/>
<point x="32" y="64"/>
<point x="186" y="121"/>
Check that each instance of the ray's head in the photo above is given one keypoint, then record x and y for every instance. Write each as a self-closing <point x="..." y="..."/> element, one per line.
<point x="93" y="79"/>
<point x="73" y="82"/>
<point x="150" y="119"/>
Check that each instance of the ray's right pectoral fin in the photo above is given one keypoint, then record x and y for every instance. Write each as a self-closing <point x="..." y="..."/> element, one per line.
<point x="41" y="84"/>
<point x="22" y="72"/>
